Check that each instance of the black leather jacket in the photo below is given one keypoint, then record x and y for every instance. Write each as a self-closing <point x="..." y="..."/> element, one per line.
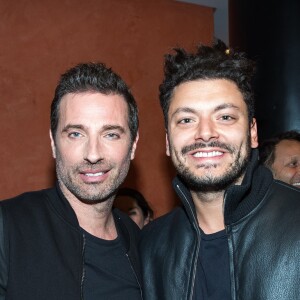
<point x="262" y="219"/>
<point x="42" y="247"/>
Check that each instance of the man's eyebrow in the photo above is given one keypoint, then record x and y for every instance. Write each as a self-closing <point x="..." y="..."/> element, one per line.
<point x="191" y="110"/>
<point x="226" y="105"/>
<point x="183" y="110"/>
<point x="104" y="128"/>
<point x="72" y="126"/>
<point x="113" y="127"/>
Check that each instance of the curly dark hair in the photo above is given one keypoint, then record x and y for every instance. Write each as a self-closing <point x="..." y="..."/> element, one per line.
<point x="94" y="77"/>
<point x="267" y="148"/>
<point x="216" y="62"/>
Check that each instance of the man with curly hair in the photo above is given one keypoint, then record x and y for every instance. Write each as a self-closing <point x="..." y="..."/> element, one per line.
<point x="236" y="235"/>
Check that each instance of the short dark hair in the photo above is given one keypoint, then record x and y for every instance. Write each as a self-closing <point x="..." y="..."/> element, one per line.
<point x="93" y="77"/>
<point x="139" y="198"/>
<point x="267" y="148"/>
<point x="216" y="62"/>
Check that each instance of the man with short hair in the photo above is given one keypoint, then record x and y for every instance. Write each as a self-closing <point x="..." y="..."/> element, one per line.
<point x="66" y="242"/>
<point x="236" y="235"/>
<point x="281" y="154"/>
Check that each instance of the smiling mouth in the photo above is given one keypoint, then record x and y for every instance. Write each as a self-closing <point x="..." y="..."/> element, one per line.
<point x="94" y="174"/>
<point x="207" y="154"/>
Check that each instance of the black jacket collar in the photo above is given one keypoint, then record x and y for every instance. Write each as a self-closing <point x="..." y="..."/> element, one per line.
<point x="239" y="200"/>
<point x="126" y="227"/>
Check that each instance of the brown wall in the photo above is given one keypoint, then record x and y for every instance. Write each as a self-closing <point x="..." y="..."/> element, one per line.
<point x="41" y="39"/>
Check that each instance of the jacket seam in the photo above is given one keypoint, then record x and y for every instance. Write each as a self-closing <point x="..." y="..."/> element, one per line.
<point x="198" y="234"/>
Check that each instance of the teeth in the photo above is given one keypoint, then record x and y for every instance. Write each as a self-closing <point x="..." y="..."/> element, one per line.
<point x="297" y="183"/>
<point x="94" y="174"/>
<point x="208" y="154"/>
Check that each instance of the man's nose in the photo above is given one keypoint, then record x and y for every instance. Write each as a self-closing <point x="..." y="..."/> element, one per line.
<point x="206" y="130"/>
<point x="93" y="151"/>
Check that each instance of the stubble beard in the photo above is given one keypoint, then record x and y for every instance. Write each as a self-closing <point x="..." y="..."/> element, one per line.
<point x="91" y="192"/>
<point x="209" y="182"/>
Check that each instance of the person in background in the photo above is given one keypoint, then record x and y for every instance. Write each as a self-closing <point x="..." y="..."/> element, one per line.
<point x="237" y="234"/>
<point x="135" y="205"/>
<point x="281" y="154"/>
<point x="66" y="242"/>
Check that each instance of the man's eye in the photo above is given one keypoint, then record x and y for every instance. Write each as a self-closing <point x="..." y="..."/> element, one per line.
<point x="184" y="121"/>
<point x="227" y="118"/>
<point x="293" y="164"/>
<point x="75" y="134"/>
<point x="113" y="136"/>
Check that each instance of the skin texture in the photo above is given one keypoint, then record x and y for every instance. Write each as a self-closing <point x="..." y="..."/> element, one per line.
<point x="93" y="150"/>
<point x="209" y="140"/>
<point x="130" y="207"/>
<point x="286" y="166"/>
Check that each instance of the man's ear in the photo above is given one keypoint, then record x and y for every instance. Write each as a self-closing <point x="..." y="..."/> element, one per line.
<point x="253" y="134"/>
<point x="167" y="145"/>
<point x="52" y="144"/>
<point x="134" y="145"/>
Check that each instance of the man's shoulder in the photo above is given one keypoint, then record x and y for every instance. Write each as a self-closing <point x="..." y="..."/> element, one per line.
<point x="27" y="198"/>
<point x="164" y="219"/>
<point x="283" y="189"/>
<point x="164" y="225"/>
<point x="283" y="203"/>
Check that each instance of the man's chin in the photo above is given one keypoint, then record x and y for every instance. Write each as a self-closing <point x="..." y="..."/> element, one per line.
<point x="90" y="193"/>
<point x="208" y="186"/>
<point x="210" y="181"/>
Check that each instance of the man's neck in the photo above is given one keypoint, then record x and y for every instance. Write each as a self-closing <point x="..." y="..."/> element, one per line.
<point x="209" y="209"/>
<point x="97" y="219"/>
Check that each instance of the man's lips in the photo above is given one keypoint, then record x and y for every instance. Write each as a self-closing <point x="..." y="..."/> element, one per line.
<point x="207" y="154"/>
<point x="93" y="171"/>
<point x="212" y="149"/>
<point x="93" y="175"/>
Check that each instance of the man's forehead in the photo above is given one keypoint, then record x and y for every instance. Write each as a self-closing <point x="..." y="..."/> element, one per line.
<point x="288" y="148"/>
<point x="212" y="94"/>
<point x="87" y="99"/>
<point x="93" y="107"/>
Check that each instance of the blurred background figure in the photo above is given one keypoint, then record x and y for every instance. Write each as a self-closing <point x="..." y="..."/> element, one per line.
<point x="281" y="154"/>
<point x="135" y="205"/>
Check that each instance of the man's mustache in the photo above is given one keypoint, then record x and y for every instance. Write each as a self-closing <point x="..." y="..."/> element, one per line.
<point x="217" y="144"/>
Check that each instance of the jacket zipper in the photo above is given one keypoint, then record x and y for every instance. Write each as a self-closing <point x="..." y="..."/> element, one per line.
<point x="231" y="265"/>
<point x="83" y="270"/>
<point x="135" y="275"/>
<point x="198" y="244"/>
<point x="230" y="249"/>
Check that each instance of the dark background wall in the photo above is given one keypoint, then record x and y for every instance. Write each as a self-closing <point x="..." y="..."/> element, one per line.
<point x="39" y="40"/>
<point x="269" y="31"/>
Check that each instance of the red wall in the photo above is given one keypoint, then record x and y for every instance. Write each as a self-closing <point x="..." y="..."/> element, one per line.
<point x="41" y="39"/>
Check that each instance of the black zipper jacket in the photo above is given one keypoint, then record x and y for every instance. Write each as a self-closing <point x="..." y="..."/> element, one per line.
<point x="262" y="219"/>
<point x="42" y="247"/>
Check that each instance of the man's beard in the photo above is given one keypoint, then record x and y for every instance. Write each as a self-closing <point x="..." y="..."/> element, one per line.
<point x="210" y="182"/>
<point x="93" y="192"/>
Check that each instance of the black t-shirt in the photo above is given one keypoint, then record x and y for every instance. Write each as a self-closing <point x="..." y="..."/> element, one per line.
<point x="108" y="274"/>
<point x="213" y="274"/>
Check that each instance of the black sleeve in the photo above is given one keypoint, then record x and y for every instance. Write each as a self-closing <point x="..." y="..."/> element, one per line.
<point x="3" y="261"/>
